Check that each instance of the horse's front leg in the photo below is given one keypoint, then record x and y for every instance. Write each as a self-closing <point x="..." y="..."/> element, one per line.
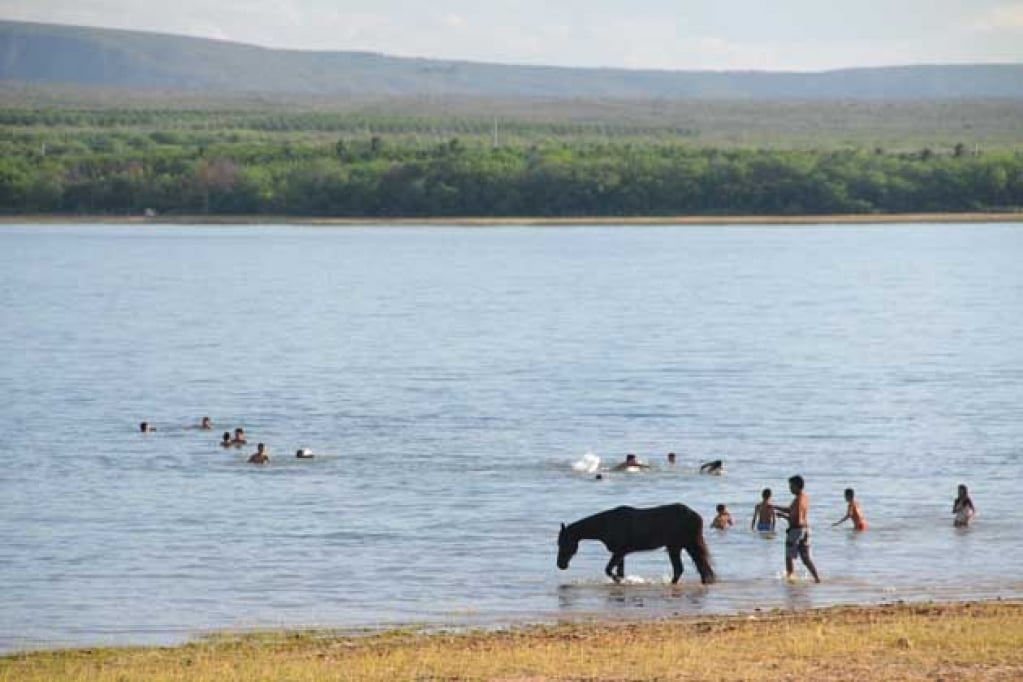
<point x="675" y="554"/>
<point x="619" y="561"/>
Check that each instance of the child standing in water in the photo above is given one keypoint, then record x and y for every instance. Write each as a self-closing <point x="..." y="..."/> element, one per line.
<point x="853" y="511"/>
<point x="764" y="517"/>
<point x="963" y="508"/>
<point x="723" y="519"/>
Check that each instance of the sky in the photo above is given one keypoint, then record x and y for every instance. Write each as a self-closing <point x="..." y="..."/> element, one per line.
<point x="776" y="35"/>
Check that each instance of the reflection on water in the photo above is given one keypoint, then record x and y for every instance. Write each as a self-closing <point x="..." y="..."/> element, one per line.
<point x="798" y="595"/>
<point x="655" y="598"/>
<point x="448" y="379"/>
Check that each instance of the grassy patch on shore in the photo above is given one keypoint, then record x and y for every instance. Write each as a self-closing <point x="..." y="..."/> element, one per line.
<point x="982" y="641"/>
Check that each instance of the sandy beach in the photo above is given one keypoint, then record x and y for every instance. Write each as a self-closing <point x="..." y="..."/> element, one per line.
<point x="927" y="641"/>
<point x="851" y="219"/>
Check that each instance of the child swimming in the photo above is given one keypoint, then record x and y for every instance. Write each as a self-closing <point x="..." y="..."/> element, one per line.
<point x="631" y="463"/>
<point x="723" y="519"/>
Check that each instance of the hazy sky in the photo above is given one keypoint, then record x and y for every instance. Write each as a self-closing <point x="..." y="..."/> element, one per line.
<point x="804" y="35"/>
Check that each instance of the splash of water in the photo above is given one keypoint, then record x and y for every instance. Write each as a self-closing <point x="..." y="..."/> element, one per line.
<point x="587" y="464"/>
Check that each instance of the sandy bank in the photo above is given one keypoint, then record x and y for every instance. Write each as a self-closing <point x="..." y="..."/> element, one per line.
<point x="857" y="219"/>
<point x="979" y="641"/>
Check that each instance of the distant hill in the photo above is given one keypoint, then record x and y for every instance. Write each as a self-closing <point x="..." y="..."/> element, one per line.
<point x="45" y="54"/>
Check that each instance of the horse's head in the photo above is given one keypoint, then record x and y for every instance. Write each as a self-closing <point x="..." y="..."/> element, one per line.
<point x="567" y="547"/>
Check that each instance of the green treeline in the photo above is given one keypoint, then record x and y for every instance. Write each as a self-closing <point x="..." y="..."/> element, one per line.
<point x="47" y="168"/>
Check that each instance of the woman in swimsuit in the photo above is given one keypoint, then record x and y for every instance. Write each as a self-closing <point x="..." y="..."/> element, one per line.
<point x="963" y="508"/>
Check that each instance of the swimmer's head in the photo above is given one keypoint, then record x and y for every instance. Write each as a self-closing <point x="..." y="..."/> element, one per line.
<point x="630" y="459"/>
<point x="765" y="494"/>
<point x="721" y="509"/>
<point x="239" y="431"/>
<point x="796" y="483"/>
<point x="226" y="437"/>
<point x="206" y="423"/>
<point x="963" y="491"/>
<point x="599" y="477"/>
<point x="143" y="427"/>
<point x="849" y="494"/>
<point x="671" y="458"/>
<point x="260" y="447"/>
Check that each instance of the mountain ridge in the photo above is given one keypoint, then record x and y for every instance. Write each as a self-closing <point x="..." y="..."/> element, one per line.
<point x="50" y="54"/>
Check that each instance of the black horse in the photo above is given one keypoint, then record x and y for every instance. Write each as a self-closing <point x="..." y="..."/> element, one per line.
<point x="625" y="529"/>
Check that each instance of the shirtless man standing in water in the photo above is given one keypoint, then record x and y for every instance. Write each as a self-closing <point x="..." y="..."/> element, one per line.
<point x="797" y="537"/>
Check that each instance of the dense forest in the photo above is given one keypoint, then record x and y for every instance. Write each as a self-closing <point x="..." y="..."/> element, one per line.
<point x="317" y="163"/>
<point x="106" y="122"/>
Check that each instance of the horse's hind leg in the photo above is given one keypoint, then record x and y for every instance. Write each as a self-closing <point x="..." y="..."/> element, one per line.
<point x="698" y="551"/>
<point x="617" y="560"/>
<point x="675" y="554"/>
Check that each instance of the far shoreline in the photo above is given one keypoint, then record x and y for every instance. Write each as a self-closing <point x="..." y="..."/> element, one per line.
<point x="595" y="221"/>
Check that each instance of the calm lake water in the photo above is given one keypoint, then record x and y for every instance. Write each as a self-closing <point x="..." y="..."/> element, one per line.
<point x="448" y="378"/>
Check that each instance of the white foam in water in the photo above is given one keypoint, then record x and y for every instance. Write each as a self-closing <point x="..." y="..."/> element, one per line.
<point x="587" y="464"/>
<point x="634" y="580"/>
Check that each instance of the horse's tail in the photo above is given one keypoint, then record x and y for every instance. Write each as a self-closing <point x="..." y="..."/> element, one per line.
<point x="698" y="552"/>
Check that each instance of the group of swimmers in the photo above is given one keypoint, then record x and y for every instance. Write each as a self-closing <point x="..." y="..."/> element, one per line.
<point x="714" y="467"/>
<point x="797" y="535"/>
<point x="237" y="440"/>
<point x="765" y="514"/>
